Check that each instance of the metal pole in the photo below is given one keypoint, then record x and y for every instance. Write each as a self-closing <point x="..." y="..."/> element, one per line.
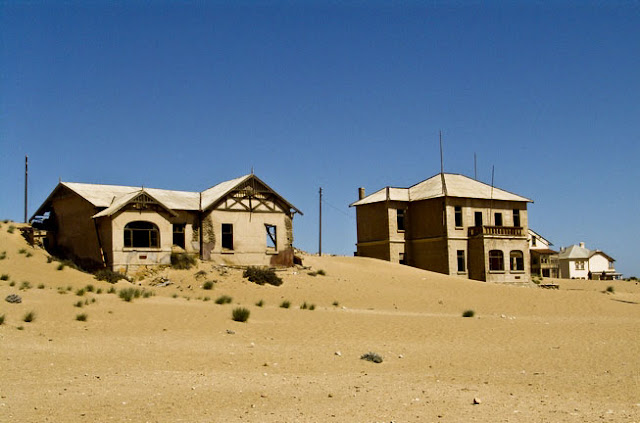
<point x="320" y="225"/>
<point x="26" y="180"/>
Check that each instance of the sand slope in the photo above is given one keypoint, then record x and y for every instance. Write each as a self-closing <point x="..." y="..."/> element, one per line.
<point x="568" y="355"/>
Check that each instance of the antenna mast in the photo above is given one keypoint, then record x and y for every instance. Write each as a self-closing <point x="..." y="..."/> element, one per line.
<point x="26" y="185"/>
<point x="444" y="183"/>
<point x="320" y="224"/>
<point x="491" y="205"/>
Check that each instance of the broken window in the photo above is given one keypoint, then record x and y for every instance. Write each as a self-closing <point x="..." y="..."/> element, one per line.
<point x="400" y="219"/>
<point x="496" y="260"/>
<point x="458" y="215"/>
<point x="498" y="219"/>
<point x="271" y="237"/>
<point x="517" y="260"/>
<point x="178" y="234"/>
<point x="227" y="236"/>
<point x="141" y="234"/>
<point x="461" y="261"/>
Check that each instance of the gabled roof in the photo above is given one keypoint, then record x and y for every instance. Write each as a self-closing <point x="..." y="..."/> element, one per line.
<point x="533" y="233"/>
<point x="128" y="198"/>
<point x="574" y="252"/>
<point x="456" y="186"/>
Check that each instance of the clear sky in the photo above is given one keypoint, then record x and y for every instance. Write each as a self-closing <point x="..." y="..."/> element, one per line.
<point x="332" y="94"/>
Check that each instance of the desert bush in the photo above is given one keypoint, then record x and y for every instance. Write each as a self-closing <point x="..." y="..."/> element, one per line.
<point x="89" y="288"/>
<point x="80" y="292"/>
<point x="112" y="290"/>
<point x="223" y="299"/>
<point x="304" y="306"/>
<point x="109" y="275"/>
<point x="2" y="319"/>
<point x="11" y="228"/>
<point x="78" y="304"/>
<point x="20" y="327"/>
<point x="262" y="275"/>
<point x="174" y="296"/>
<point x="3" y="255"/>
<point x="99" y="291"/>
<point x="335" y="304"/>
<point x="82" y="317"/>
<point x="371" y="356"/>
<point x="260" y="303"/>
<point x="12" y="283"/>
<point x="182" y="261"/>
<point x="41" y="286"/>
<point x="468" y="313"/>
<point x="128" y="294"/>
<point x="611" y="289"/>
<point x="208" y="285"/>
<point x="147" y="294"/>
<point x="49" y="259"/>
<point x="312" y="307"/>
<point x="22" y="251"/>
<point x="240" y="314"/>
<point x="4" y="277"/>
<point x="60" y="266"/>
<point x="28" y="254"/>
<point x="285" y="304"/>
<point x="29" y="317"/>
<point x="25" y="285"/>
<point x="205" y="299"/>
<point x="322" y="272"/>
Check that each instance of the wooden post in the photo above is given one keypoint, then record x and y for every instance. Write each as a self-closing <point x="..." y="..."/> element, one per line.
<point x="320" y="224"/>
<point x="26" y="185"/>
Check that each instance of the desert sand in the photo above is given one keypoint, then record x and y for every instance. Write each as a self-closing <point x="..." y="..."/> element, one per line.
<point x="528" y="354"/>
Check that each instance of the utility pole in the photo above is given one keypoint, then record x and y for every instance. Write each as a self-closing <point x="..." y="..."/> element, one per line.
<point x="26" y="180"/>
<point x="320" y="225"/>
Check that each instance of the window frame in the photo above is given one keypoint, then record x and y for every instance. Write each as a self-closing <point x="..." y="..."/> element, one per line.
<point x="273" y="246"/>
<point x="462" y="262"/>
<point x="516" y="261"/>
<point x="180" y="230"/>
<point x="497" y="216"/>
<point x="400" y="220"/>
<point x="132" y="235"/>
<point x="516" y="218"/>
<point x="226" y="236"/>
<point x="458" y="217"/>
<point x="496" y="257"/>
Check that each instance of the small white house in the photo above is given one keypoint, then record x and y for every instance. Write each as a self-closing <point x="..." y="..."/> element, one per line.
<point x="578" y="262"/>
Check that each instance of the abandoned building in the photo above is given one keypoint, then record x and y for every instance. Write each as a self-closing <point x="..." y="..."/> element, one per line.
<point x="579" y="262"/>
<point x="450" y="224"/>
<point x="241" y="221"/>
<point x="544" y="260"/>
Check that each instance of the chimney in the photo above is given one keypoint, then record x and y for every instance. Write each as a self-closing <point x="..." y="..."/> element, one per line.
<point x="582" y="245"/>
<point x="361" y="193"/>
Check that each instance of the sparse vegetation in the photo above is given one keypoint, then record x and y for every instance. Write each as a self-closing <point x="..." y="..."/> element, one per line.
<point x="99" y="291"/>
<point x="60" y="266"/>
<point x="262" y="275"/>
<point x="12" y="283"/>
<point x="223" y="299"/>
<point x="335" y="303"/>
<point x="285" y="304"/>
<point x="611" y="289"/>
<point x="82" y="317"/>
<point x="49" y="259"/>
<point x="11" y="228"/>
<point x="200" y="274"/>
<point x="28" y="254"/>
<point x="312" y="307"/>
<point x="205" y="299"/>
<point x="147" y="294"/>
<point x="80" y="292"/>
<point x="89" y="288"/>
<point x="183" y="261"/>
<point x="371" y="356"/>
<point x="109" y="275"/>
<point x="20" y="327"/>
<point x="317" y="272"/>
<point x="78" y="304"/>
<point x="22" y="251"/>
<point x="304" y="306"/>
<point x="4" y="277"/>
<point x="41" y="286"/>
<point x="208" y="285"/>
<point x="468" y="313"/>
<point x="3" y="255"/>
<point x="128" y="294"/>
<point x="240" y="314"/>
<point x="112" y="290"/>
<point x="2" y="319"/>
<point x="25" y="285"/>
<point x="29" y="317"/>
<point x="260" y="303"/>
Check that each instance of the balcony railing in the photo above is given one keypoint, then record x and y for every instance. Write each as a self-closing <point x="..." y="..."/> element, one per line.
<point x="496" y="231"/>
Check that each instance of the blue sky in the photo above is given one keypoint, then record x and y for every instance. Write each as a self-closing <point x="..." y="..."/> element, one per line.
<point x="183" y="95"/>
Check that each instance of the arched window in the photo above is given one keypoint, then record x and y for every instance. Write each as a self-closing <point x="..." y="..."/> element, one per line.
<point x="517" y="260"/>
<point x="141" y="234"/>
<point x="496" y="260"/>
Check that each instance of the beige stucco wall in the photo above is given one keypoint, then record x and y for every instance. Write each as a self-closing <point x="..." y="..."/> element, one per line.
<point x="372" y="222"/>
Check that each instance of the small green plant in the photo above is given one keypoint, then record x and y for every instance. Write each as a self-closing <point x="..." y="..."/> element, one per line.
<point x="208" y="285"/>
<point x="611" y="289"/>
<point x="183" y="261"/>
<point x="112" y="290"/>
<point x="22" y="251"/>
<point x="285" y="304"/>
<point x="205" y="299"/>
<point x="69" y="288"/>
<point x="304" y="306"/>
<point x="2" y="319"/>
<point x="49" y="259"/>
<point x="3" y="255"/>
<point x="312" y="307"/>
<point x="240" y="314"/>
<point x="109" y="275"/>
<point x="147" y="294"/>
<point x="29" y="317"/>
<point x="11" y="228"/>
<point x="262" y="275"/>
<point x="223" y="299"/>
<point x="80" y="292"/>
<point x="89" y="288"/>
<point x="335" y="304"/>
<point x="371" y="356"/>
<point x="20" y="327"/>
<point x="82" y="317"/>
<point x="12" y="283"/>
<point x="4" y="277"/>
<point x="128" y="294"/>
<point x="99" y="291"/>
<point x="25" y="285"/>
<point x="468" y="313"/>
<point x="174" y="296"/>
<point x="28" y="254"/>
<point x="60" y="266"/>
<point x="260" y="303"/>
<point x="78" y="304"/>
<point x="41" y="286"/>
<point x="322" y="272"/>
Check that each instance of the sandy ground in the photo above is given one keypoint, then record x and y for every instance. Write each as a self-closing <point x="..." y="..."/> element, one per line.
<point x="528" y="354"/>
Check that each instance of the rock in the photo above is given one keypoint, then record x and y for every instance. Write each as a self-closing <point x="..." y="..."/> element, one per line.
<point x="338" y="353"/>
<point x="477" y="401"/>
<point x="13" y="298"/>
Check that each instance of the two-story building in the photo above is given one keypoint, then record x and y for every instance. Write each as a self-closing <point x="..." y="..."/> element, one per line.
<point x="544" y="260"/>
<point x="579" y="262"/>
<point x="450" y="224"/>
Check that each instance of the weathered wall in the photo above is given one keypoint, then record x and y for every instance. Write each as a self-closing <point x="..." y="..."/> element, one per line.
<point x="506" y="245"/>
<point x="429" y="254"/>
<point x="379" y="250"/>
<point x="372" y="222"/>
<point x="425" y="219"/>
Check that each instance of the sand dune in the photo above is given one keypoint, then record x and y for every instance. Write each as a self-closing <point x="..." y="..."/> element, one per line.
<point x="529" y="354"/>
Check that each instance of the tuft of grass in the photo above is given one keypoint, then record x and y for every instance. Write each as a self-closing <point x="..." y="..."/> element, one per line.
<point x="183" y="261"/>
<point x="80" y="292"/>
<point x="208" y="285"/>
<point x="174" y="296"/>
<point x="223" y="299"/>
<point x="304" y="306"/>
<point x="147" y="294"/>
<point x="322" y="272"/>
<point x="611" y="289"/>
<point x="3" y="255"/>
<point x="312" y="307"/>
<point x="335" y="304"/>
<point x="468" y="313"/>
<point x="22" y="251"/>
<point x="49" y="259"/>
<point x="12" y="283"/>
<point x="240" y="314"/>
<point x="60" y="266"/>
<point x="109" y="275"/>
<point x="78" y="304"/>
<point x="128" y="294"/>
<point x="11" y="228"/>
<point x="112" y="290"/>
<point x="29" y="317"/>
<point x="260" y="303"/>
<point x="2" y="319"/>
<point x="99" y="291"/>
<point x="285" y="304"/>
<point x="41" y="286"/>
<point x="200" y="274"/>
<point x="89" y="288"/>
<point x="262" y="275"/>
<point x="25" y="285"/>
<point x="4" y="277"/>
<point x="371" y="356"/>
<point x="20" y="328"/>
<point x="317" y="272"/>
<point x="28" y="254"/>
<point x="82" y="317"/>
<point x="205" y="299"/>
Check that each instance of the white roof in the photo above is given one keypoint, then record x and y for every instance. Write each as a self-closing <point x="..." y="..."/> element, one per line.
<point x="576" y="252"/>
<point x="456" y="186"/>
<point x="213" y="194"/>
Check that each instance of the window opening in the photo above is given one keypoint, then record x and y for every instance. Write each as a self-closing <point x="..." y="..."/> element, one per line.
<point x="517" y="260"/>
<point x="227" y="236"/>
<point x="496" y="260"/>
<point x="458" y="215"/>
<point x="271" y="236"/>
<point x="178" y="234"/>
<point x="533" y="241"/>
<point x="498" y="219"/>
<point x="579" y="265"/>
<point x="478" y="218"/>
<point x="516" y="218"/>
<point x="400" y="219"/>
<point x="461" y="261"/>
<point x="401" y="258"/>
<point x="141" y="234"/>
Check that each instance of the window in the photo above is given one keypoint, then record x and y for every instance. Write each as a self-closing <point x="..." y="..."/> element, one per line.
<point x="271" y="237"/>
<point x="461" y="261"/>
<point x="517" y="260"/>
<point x="400" y="219"/>
<point x="401" y="259"/>
<point x="533" y="241"/>
<point x="227" y="236"/>
<point x="458" y="215"/>
<point x="141" y="234"/>
<point x="498" y="219"/>
<point x="496" y="260"/>
<point x="611" y="265"/>
<point x="178" y="234"/>
<point x="478" y="218"/>
<point x="544" y="259"/>
<point x="516" y="218"/>
<point x="579" y="265"/>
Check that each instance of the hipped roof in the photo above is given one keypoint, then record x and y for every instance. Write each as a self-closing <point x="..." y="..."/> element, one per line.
<point x="576" y="252"/>
<point x="456" y="186"/>
<point x="114" y="197"/>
